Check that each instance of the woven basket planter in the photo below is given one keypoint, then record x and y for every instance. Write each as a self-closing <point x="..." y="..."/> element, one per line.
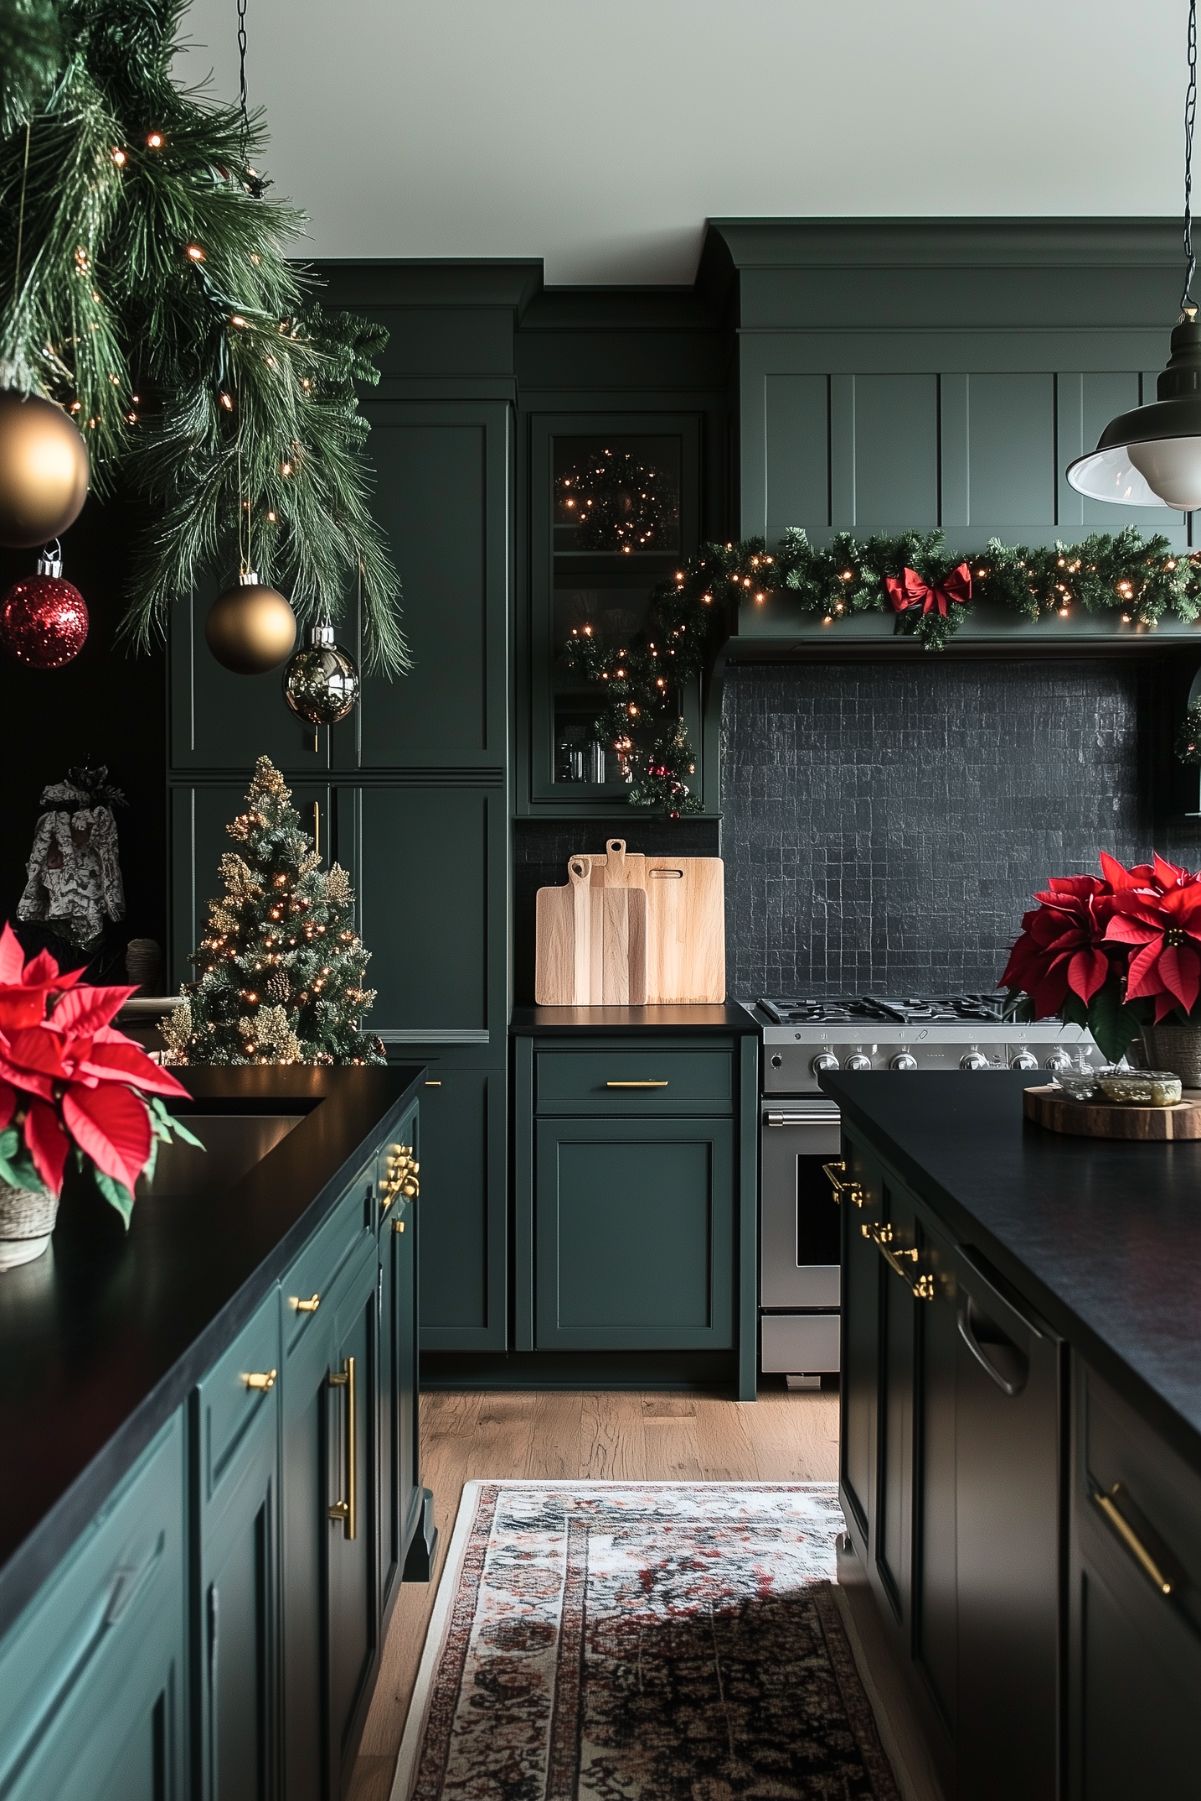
<point x="26" y="1222"/>
<point x="1176" y="1048"/>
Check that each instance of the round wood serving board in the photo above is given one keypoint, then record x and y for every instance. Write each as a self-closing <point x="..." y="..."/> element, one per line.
<point x="1100" y="1119"/>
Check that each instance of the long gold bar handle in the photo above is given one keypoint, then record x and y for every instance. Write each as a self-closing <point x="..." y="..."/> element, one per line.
<point x="347" y="1511"/>
<point x="881" y="1234"/>
<point x="317" y="826"/>
<point x="637" y="1084"/>
<point x="1108" y="1505"/>
<point x="834" y="1173"/>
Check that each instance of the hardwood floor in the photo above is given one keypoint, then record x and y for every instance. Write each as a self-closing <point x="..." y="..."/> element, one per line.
<point x="591" y="1436"/>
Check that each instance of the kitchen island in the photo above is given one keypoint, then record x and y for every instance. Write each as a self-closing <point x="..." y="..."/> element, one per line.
<point x="211" y="1436"/>
<point x="1020" y="1461"/>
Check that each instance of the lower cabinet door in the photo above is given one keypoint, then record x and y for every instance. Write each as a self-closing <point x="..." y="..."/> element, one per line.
<point x="859" y="1204"/>
<point x="352" y="1518"/>
<point x="464" y="1241"/>
<point x="237" y="1631"/>
<point x="92" y="1677"/>
<point x="397" y="1391"/>
<point x="890" y="1554"/>
<point x="329" y="1529"/>
<point x="634" y="1234"/>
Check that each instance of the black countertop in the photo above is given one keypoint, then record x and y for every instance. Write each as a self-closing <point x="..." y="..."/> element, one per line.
<point x="1103" y="1236"/>
<point x="615" y="1022"/>
<point x="103" y="1337"/>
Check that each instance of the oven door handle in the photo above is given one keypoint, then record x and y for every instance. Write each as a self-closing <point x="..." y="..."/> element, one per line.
<point x="818" y="1116"/>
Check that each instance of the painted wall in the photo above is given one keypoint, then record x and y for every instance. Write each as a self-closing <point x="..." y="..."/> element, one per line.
<point x="886" y="823"/>
<point x="602" y="136"/>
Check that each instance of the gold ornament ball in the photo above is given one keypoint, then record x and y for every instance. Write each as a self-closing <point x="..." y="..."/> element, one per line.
<point x="250" y="627"/>
<point x="43" y="471"/>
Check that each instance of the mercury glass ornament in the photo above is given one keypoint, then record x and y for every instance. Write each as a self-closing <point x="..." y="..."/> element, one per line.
<point x="321" y="682"/>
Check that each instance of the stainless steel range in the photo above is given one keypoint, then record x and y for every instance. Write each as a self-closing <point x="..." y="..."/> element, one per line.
<point x="802" y="1038"/>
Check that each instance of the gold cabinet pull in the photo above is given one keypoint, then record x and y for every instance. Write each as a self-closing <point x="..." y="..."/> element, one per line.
<point x="306" y="1306"/>
<point x="900" y="1259"/>
<point x="317" y="827"/>
<point x="1116" y="1519"/>
<point x="347" y="1511"/>
<point x="398" y="1225"/>
<point x="834" y="1173"/>
<point x="638" y="1084"/>
<point x="433" y="1084"/>
<point x="261" y="1380"/>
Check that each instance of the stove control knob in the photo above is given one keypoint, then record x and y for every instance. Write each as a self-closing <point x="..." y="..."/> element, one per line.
<point x="974" y="1060"/>
<point x="776" y="1061"/>
<point x="1024" y="1060"/>
<point x="1058" y="1060"/>
<point x="902" y="1060"/>
<point x="857" y="1060"/>
<point x="824" y="1062"/>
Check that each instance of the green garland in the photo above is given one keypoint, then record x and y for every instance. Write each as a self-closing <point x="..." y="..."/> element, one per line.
<point x="155" y="300"/>
<point x="690" y="615"/>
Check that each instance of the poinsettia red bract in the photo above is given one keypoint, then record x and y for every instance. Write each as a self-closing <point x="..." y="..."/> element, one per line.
<point x="1164" y="932"/>
<point x="1061" y="945"/>
<point x="68" y="1077"/>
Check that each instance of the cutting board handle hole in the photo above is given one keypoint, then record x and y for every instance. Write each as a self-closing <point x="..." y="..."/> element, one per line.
<point x="668" y="875"/>
<point x="578" y="866"/>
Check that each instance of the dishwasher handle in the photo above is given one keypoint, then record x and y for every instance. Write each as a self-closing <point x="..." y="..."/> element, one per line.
<point x="1003" y="1362"/>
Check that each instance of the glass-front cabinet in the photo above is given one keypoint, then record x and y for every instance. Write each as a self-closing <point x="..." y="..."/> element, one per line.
<point x="615" y="503"/>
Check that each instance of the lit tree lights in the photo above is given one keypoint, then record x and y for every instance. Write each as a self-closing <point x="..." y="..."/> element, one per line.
<point x="280" y="967"/>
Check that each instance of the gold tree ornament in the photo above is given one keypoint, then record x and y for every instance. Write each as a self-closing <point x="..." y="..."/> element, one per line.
<point x="43" y="471"/>
<point x="250" y="627"/>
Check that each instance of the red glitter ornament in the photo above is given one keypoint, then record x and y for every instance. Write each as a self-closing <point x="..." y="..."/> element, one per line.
<point x="44" y="619"/>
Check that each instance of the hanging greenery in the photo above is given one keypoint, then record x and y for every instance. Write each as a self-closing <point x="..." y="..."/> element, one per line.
<point x="927" y="590"/>
<point x="146" y="287"/>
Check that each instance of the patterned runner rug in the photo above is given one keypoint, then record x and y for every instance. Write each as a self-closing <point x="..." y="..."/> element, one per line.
<point x="653" y="1641"/>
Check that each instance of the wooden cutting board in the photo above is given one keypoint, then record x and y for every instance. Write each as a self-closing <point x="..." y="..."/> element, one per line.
<point x="590" y="946"/>
<point x="685" y="930"/>
<point x="1099" y="1119"/>
<point x="619" y="868"/>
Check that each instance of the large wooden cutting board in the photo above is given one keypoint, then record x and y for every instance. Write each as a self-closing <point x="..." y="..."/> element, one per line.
<point x="685" y="930"/>
<point x="591" y="943"/>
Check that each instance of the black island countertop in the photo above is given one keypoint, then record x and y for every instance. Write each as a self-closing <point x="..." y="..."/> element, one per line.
<point x="623" y="1022"/>
<point x="1102" y="1235"/>
<point x="104" y="1336"/>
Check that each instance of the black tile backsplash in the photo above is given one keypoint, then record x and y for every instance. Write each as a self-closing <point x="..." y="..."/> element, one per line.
<point x="885" y="824"/>
<point x="541" y="849"/>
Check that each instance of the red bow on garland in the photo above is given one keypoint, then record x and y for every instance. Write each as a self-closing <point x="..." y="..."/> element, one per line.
<point x="909" y="590"/>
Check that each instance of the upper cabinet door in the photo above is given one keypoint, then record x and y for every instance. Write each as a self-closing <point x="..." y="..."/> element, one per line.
<point x="225" y="721"/>
<point x="442" y="472"/>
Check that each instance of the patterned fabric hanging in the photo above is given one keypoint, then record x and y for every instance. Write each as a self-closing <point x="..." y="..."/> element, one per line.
<point x="74" y="882"/>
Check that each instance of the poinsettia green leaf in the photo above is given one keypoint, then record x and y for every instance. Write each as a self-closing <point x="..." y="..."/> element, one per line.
<point x="1113" y="1025"/>
<point x="9" y="1141"/>
<point x="1075" y="1011"/>
<point x="19" y="1172"/>
<point x="116" y="1194"/>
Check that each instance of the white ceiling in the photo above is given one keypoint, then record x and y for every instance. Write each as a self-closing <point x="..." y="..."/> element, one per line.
<point x="600" y="134"/>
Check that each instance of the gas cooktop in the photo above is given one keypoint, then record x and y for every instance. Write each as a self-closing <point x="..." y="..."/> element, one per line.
<point x="912" y="1009"/>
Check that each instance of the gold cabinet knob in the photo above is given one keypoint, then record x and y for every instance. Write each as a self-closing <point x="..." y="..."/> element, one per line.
<point x="306" y="1306"/>
<point x="261" y="1379"/>
<point x="398" y="1225"/>
<point x="410" y="1189"/>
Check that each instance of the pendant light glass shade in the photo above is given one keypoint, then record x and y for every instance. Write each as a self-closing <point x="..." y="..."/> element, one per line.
<point x="1151" y="456"/>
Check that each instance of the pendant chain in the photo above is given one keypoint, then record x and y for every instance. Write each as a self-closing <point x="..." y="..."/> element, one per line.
<point x="1188" y="307"/>
<point x="242" y="67"/>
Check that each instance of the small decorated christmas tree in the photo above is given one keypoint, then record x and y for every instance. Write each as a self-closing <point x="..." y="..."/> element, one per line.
<point x="280" y="968"/>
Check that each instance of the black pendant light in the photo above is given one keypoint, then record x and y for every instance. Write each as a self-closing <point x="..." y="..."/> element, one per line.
<point x="1151" y="456"/>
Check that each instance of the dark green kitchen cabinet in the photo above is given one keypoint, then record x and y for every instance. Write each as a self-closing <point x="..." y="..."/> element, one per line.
<point x="464" y="1229"/>
<point x="1134" y="1650"/>
<point x="858" y="1197"/>
<point x="200" y="813"/>
<point x="235" y="1641"/>
<point x="219" y="720"/>
<point x="634" y="1223"/>
<point x="429" y="861"/>
<point x="443" y="496"/>
<point x="585" y="577"/>
<point x="92" y="1676"/>
<point x="330" y="1528"/>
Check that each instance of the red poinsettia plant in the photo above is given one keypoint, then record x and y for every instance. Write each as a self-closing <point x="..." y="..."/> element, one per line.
<point x="1112" y="953"/>
<point x="72" y="1087"/>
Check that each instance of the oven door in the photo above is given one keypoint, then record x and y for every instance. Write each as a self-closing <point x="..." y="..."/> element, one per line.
<point x="798" y="1220"/>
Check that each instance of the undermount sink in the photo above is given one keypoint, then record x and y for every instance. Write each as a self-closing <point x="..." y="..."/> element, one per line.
<point x="233" y="1143"/>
